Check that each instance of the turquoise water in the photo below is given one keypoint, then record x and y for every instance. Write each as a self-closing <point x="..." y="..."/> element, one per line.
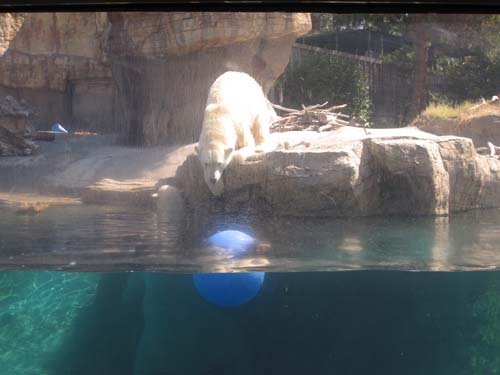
<point x="363" y="322"/>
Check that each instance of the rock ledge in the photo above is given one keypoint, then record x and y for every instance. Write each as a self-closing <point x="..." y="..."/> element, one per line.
<point x="350" y="172"/>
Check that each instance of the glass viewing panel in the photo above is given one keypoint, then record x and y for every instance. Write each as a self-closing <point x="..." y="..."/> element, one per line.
<point x="179" y="192"/>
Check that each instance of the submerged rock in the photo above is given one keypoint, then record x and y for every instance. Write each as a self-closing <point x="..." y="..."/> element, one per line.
<point x="33" y="209"/>
<point x="170" y="201"/>
<point x="350" y="172"/>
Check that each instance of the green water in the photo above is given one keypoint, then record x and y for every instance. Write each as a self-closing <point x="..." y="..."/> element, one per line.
<point x="364" y="322"/>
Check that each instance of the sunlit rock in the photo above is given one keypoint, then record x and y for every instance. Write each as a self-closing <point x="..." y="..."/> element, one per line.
<point x="143" y="75"/>
<point x="349" y="172"/>
<point x="10" y="23"/>
<point x="164" y="63"/>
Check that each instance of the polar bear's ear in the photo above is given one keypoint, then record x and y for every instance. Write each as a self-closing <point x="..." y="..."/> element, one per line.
<point x="228" y="151"/>
<point x="197" y="149"/>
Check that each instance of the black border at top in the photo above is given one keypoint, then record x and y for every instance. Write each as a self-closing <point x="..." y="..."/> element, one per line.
<point x="334" y="6"/>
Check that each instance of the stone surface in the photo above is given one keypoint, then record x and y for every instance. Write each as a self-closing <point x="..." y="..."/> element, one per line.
<point x="12" y="144"/>
<point x="350" y="173"/>
<point x="53" y="49"/>
<point x="158" y="34"/>
<point x="143" y="75"/>
<point x="15" y="129"/>
<point x="164" y="64"/>
<point x="108" y="191"/>
<point x="16" y="118"/>
<point x="10" y="23"/>
<point x="93" y="168"/>
<point x="9" y="107"/>
<point x="57" y="64"/>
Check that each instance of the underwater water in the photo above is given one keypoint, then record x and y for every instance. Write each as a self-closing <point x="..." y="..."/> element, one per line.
<point x="376" y="322"/>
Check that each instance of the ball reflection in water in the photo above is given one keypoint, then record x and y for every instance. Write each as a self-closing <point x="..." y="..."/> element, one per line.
<point x="230" y="289"/>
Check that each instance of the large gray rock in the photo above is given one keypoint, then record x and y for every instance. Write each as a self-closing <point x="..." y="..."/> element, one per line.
<point x="350" y="172"/>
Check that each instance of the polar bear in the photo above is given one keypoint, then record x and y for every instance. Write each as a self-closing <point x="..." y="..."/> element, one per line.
<point x="235" y="125"/>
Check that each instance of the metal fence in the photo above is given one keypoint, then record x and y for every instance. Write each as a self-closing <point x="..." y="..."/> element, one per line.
<point x="390" y="88"/>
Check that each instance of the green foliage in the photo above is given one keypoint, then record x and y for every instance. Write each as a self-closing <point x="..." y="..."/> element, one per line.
<point x="319" y="78"/>
<point x="463" y="62"/>
<point x="470" y="78"/>
<point x="390" y="23"/>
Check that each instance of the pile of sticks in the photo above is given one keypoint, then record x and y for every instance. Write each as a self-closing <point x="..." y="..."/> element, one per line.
<point x="313" y="118"/>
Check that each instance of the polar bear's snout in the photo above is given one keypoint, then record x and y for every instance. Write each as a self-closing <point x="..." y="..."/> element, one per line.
<point x="213" y="173"/>
<point x="214" y="161"/>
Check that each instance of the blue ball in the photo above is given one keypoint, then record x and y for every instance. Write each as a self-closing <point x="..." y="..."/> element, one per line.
<point x="232" y="241"/>
<point x="228" y="289"/>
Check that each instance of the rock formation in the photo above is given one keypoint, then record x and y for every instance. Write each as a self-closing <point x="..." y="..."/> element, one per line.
<point x="481" y="129"/>
<point x="164" y="63"/>
<point x="350" y="173"/>
<point x="15" y="129"/>
<point x="9" y="26"/>
<point x="143" y="75"/>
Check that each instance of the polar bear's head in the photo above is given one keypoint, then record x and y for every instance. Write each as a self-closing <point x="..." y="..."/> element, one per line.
<point x="214" y="159"/>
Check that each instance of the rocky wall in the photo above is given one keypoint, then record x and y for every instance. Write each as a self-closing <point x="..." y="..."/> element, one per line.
<point x="142" y="75"/>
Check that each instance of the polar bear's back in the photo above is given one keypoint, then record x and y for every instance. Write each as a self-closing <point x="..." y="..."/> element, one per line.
<point x="237" y="91"/>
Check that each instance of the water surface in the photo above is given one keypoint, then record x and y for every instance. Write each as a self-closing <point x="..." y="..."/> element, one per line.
<point x="99" y="238"/>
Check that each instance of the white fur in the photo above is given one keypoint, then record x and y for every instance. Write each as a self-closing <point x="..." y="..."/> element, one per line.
<point x="235" y="125"/>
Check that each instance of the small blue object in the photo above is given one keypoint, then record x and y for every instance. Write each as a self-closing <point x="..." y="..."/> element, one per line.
<point x="228" y="289"/>
<point x="58" y="128"/>
<point x="232" y="241"/>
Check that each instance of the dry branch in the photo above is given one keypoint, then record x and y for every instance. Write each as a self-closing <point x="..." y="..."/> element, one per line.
<point x="313" y="118"/>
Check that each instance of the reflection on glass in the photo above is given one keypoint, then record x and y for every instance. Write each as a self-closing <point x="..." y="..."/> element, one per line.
<point x="136" y="149"/>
